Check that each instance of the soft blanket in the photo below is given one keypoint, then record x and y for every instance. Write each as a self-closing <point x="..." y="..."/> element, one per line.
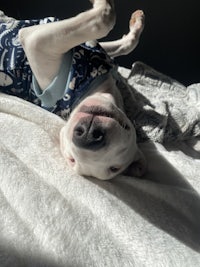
<point x="163" y="109"/>
<point x="52" y="217"/>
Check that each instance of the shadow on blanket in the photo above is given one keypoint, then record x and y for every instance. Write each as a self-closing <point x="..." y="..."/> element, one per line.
<point x="169" y="201"/>
<point x="9" y="256"/>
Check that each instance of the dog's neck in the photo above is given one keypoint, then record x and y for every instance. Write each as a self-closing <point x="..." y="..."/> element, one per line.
<point x="109" y="88"/>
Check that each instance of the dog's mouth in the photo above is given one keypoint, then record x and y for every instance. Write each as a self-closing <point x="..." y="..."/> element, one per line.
<point x="103" y="112"/>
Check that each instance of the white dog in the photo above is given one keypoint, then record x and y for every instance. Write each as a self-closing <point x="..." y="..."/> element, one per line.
<point x="98" y="139"/>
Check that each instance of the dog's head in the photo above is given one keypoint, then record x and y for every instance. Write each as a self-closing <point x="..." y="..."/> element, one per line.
<point x="100" y="141"/>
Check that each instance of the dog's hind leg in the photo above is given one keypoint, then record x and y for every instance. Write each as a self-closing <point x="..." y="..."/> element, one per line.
<point x="46" y="44"/>
<point x="128" y="42"/>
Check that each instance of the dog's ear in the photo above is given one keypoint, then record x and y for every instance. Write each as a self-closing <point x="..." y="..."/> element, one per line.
<point x="138" y="167"/>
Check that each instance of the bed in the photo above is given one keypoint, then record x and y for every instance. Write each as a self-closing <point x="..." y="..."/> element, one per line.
<point x="49" y="216"/>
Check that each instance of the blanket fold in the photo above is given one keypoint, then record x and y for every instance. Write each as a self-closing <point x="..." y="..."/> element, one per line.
<point x="163" y="109"/>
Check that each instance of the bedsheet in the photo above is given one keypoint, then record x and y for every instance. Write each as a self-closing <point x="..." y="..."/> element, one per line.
<point x="50" y="216"/>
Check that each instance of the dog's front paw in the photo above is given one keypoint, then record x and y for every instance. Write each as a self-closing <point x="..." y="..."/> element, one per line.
<point x="137" y="21"/>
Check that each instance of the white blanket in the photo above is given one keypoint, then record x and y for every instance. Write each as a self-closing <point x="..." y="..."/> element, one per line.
<point x="51" y="217"/>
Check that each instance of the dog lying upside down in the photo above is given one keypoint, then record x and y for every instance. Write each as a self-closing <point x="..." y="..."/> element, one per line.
<point x="54" y="64"/>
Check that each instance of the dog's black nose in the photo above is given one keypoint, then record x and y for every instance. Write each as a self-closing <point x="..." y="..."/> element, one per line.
<point x="89" y="135"/>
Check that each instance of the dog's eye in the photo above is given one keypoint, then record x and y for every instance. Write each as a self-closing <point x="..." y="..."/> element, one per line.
<point x="114" y="169"/>
<point x="71" y="161"/>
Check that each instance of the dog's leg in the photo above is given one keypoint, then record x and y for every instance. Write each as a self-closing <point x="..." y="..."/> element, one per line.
<point x="46" y="44"/>
<point x="128" y="42"/>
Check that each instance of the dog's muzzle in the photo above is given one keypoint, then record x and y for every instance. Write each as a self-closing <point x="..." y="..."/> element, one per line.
<point x="89" y="133"/>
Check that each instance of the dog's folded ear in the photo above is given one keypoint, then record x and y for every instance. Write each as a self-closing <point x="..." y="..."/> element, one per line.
<point x="138" y="167"/>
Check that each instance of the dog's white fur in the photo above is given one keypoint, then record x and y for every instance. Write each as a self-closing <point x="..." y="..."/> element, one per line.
<point x="45" y="46"/>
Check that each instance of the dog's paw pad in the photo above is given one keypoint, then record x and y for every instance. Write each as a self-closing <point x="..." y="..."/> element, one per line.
<point x="137" y="20"/>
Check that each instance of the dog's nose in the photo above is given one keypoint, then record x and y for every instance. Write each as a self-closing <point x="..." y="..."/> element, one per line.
<point x="89" y="135"/>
